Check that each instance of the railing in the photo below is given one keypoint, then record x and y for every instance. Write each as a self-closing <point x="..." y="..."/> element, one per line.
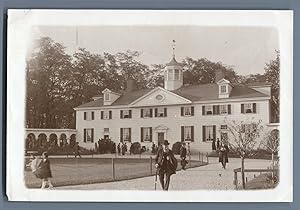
<point x="235" y="171"/>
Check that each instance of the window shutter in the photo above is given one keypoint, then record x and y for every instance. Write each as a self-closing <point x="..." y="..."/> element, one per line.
<point x="121" y="114"/>
<point x="121" y="134"/>
<point x="151" y="134"/>
<point x="92" y="135"/>
<point x="130" y="134"/>
<point x="254" y="107"/>
<point x="141" y="113"/>
<point x="214" y="133"/>
<point x="203" y="110"/>
<point x="110" y="114"/>
<point x="84" y="115"/>
<point x="192" y="133"/>
<point x="203" y="133"/>
<point x="192" y="111"/>
<point x="182" y="133"/>
<point x="130" y="114"/>
<point x="218" y="109"/>
<point x="242" y="108"/>
<point x="182" y="110"/>
<point x="155" y="112"/>
<point x="93" y="115"/>
<point x="165" y="112"/>
<point x="214" y="110"/>
<point x="142" y="140"/>
<point x="229" y="108"/>
<point x="84" y="135"/>
<point x="102" y="115"/>
<point x="151" y="114"/>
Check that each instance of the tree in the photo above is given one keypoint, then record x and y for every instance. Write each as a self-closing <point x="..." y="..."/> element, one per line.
<point x="244" y="139"/>
<point x="272" y="75"/>
<point x="47" y="76"/>
<point x="271" y="143"/>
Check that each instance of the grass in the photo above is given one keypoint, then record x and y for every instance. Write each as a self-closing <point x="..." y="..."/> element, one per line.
<point x="260" y="182"/>
<point x="72" y="171"/>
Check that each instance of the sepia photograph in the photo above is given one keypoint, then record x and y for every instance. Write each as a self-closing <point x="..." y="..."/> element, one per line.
<point x="157" y="103"/>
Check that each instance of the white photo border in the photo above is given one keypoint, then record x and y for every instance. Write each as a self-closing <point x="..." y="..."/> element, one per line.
<point x="20" y="23"/>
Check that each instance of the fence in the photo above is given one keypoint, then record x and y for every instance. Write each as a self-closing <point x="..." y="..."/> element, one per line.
<point x="237" y="170"/>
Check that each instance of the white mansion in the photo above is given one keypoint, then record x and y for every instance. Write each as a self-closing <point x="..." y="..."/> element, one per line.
<point x="194" y="113"/>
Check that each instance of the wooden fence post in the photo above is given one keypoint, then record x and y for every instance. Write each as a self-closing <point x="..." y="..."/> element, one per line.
<point x="201" y="157"/>
<point x="190" y="164"/>
<point x="235" y="182"/>
<point x="207" y="157"/>
<point x="150" y="165"/>
<point x="113" y="168"/>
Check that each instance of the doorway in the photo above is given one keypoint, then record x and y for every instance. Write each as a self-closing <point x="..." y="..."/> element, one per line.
<point x="160" y="138"/>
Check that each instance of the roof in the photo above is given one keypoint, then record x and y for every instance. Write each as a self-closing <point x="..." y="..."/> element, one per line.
<point x="173" y="62"/>
<point x="259" y="84"/>
<point x="191" y="92"/>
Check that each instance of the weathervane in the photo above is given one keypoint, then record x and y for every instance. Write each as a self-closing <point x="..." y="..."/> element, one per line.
<point x="173" y="47"/>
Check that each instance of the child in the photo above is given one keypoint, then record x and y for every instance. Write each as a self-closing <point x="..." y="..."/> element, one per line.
<point x="45" y="171"/>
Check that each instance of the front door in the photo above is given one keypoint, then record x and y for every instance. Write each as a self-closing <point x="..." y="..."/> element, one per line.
<point x="160" y="138"/>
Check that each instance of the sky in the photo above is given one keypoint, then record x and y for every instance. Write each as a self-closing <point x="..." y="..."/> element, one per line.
<point x="246" y="49"/>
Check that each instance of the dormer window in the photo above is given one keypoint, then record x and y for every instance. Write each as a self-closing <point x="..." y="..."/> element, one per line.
<point x="223" y="88"/>
<point x="106" y="97"/>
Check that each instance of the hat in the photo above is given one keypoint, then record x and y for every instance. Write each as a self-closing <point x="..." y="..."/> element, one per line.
<point x="166" y="142"/>
<point x="183" y="143"/>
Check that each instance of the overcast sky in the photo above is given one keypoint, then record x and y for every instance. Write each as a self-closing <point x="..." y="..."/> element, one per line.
<point x="247" y="49"/>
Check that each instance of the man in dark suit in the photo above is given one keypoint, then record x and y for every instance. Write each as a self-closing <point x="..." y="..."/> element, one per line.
<point x="183" y="153"/>
<point x="166" y="164"/>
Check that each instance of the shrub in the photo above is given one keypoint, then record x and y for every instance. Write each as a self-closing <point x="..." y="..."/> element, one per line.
<point x="176" y="148"/>
<point x="135" y="148"/>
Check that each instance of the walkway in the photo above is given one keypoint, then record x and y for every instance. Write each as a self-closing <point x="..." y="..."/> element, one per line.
<point x="211" y="177"/>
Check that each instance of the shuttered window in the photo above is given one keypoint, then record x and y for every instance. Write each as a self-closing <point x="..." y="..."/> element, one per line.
<point x="146" y="134"/>
<point x="208" y="133"/>
<point x="124" y="114"/>
<point x="187" y="111"/>
<point x="125" y="134"/>
<point x="187" y="133"/>
<point x="160" y="112"/>
<point x="146" y="113"/>
<point x="88" y="135"/>
<point x="248" y="108"/>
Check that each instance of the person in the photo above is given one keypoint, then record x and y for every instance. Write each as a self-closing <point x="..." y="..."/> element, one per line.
<point x="45" y="171"/>
<point x="166" y="165"/>
<point x="119" y="149"/>
<point x="77" y="150"/>
<point x="153" y="148"/>
<point x="213" y="145"/>
<point x="218" y="143"/>
<point x="123" y="149"/>
<point x="223" y="155"/>
<point x="183" y="153"/>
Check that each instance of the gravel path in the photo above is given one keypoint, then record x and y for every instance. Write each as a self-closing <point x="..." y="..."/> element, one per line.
<point x="210" y="177"/>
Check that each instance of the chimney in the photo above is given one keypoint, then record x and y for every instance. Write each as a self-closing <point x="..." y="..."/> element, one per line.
<point x="219" y="74"/>
<point x="130" y="85"/>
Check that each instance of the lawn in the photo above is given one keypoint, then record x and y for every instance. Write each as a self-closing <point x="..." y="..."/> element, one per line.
<point x="260" y="182"/>
<point x="72" y="171"/>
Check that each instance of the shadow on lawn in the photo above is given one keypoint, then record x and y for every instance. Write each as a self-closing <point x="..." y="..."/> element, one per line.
<point x="71" y="171"/>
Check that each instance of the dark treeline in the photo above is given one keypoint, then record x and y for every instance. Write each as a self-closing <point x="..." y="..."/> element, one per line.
<point x="57" y="82"/>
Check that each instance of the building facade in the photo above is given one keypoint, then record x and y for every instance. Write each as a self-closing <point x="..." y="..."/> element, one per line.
<point x="196" y="113"/>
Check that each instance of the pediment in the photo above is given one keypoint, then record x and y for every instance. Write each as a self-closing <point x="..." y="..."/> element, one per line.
<point x="161" y="127"/>
<point x="223" y="81"/>
<point x="160" y="97"/>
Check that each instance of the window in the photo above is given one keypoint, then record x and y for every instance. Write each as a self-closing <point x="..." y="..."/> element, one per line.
<point x="209" y="133"/>
<point x="248" y="108"/>
<point x="125" y="114"/>
<point x="106" y="97"/>
<point x="176" y="74"/>
<point x="160" y="112"/>
<point x="187" y="111"/>
<point x="208" y="110"/>
<point x="223" y="89"/>
<point x="89" y="116"/>
<point x="223" y="109"/>
<point x="88" y="135"/>
<point x="223" y="127"/>
<point x="146" y="134"/>
<point x="187" y="133"/>
<point x="106" y="130"/>
<point x="106" y="115"/>
<point x="170" y="75"/>
<point x="125" y="134"/>
<point x="146" y="113"/>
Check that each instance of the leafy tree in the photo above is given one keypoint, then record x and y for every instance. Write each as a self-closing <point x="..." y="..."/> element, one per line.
<point x="244" y="139"/>
<point x="272" y="74"/>
<point x="47" y="73"/>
